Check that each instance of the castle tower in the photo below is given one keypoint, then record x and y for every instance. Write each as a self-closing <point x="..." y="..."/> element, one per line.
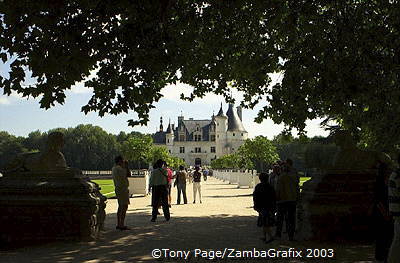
<point x="236" y="134"/>
<point x="169" y="136"/>
<point x="220" y="132"/>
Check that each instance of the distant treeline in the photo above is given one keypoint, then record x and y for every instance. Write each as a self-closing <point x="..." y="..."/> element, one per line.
<point x="87" y="147"/>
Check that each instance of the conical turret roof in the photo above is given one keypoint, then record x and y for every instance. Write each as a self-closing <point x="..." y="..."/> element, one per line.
<point x="234" y="122"/>
<point x="170" y="129"/>
<point x="221" y="112"/>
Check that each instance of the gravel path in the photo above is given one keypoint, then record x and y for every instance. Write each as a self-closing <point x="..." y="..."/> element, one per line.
<point x="223" y="222"/>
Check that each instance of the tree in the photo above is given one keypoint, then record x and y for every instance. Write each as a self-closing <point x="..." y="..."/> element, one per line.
<point x="158" y="152"/>
<point x="258" y="152"/>
<point x="226" y="161"/>
<point x="137" y="148"/>
<point x="35" y="141"/>
<point x="338" y="59"/>
<point x="89" y="147"/>
<point x="10" y="146"/>
<point x="175" y="162"/>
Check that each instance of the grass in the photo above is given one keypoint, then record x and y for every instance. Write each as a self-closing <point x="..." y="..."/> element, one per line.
<point x="303" y="180"/>
<point x="107" y="187"/>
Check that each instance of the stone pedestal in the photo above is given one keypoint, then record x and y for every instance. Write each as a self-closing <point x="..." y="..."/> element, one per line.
<point x="336" y="205"/>
<point x="50" y="206"/>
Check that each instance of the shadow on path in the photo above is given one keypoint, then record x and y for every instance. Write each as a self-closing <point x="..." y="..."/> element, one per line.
<point x="215" y="224"/>
<point x="181" y="233"/>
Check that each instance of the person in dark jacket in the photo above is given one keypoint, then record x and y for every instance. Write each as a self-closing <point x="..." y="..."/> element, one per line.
<point x="180" y="182"/>
<point x="158" y="184"/>
<point x="264" y="203"/>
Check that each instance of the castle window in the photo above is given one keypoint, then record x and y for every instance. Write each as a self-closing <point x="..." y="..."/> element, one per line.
<point x="197" y="137"/>
<point x="197" y="149"/>
<point x="169" y="151"/>
<point x="217" y="136"/>
<point x="181" y="137"/>
<point x="168" y="140"/>
<point x="212" y="138"/>
<point x="233" y="134"/>
<point x="242" y="134"/>
<point x="181" y="149"/>
<point x="212" y="149"/>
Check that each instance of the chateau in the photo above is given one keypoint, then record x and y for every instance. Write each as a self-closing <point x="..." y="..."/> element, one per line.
<point x="198" y="142"/>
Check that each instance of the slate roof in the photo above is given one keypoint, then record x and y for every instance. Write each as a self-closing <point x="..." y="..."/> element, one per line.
<point x="192" y="124"/>
<point x="159" y="137"/>
<point x="170" y="129"/>
<point x="234" y="122"/>
<point x="221" y="112"/>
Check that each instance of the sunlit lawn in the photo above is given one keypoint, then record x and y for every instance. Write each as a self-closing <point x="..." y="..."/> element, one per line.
<point x="303" y="180"/>
<point x="107" y="187"/>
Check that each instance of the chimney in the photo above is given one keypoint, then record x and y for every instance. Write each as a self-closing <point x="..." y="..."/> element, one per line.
<point x="239" y="112"/>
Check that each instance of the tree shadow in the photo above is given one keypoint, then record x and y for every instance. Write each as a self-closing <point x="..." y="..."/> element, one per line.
<point x="180" y="233"/>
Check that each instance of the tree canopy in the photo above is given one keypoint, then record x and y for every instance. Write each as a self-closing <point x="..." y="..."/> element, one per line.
<point x="257" y="153"/>
<point x="338" y="59"/>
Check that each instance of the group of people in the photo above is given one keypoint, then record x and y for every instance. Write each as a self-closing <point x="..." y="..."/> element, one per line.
<point x="162" y="179"/>
<point x="275" y="199"/>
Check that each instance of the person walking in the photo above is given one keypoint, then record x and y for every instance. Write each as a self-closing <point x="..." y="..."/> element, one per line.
<point x="180" y="183"/>
<point x="196" y="183"/>
<point x="264" y="203"/>
<point x="287" y="194"/>
<point x="158" y="184"/>
<point x="394" y="209"/>
<point x="120" y="172"/>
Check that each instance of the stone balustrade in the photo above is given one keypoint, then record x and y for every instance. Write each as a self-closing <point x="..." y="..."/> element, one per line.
<point x="241" y="178"/>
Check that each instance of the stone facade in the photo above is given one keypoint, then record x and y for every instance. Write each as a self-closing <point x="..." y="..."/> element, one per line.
<point x="198" y="142"/>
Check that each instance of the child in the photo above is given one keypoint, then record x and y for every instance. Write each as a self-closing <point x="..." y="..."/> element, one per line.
<point x="264" y="203"/>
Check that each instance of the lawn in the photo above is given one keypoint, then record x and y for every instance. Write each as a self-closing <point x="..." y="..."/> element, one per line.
<point x="107" y="187"/>
<point x="303" y="180"/>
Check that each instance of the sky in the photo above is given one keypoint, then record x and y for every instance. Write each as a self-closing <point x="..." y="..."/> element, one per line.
<point x="20" y="116"/>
